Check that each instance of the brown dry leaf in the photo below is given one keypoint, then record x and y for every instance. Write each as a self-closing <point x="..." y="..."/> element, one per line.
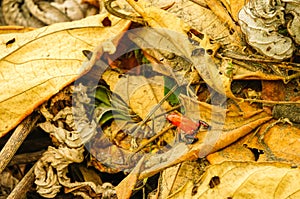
<point x="41" y="62"/>
<point x="142" y="94"/>
<point x="273" y="90"/>
<point x="242" y="72"/>
<point x="280" y="142"/>
<point x="224" y="131"/>
<point x="173" y="178"/>
<point x="220" y="11"/>
<point x="234" y="152"/>
<point x="237" y="151"/>
<point x="125" y="187"/>
<point x="233" y="7"/>
<point x="174" y="31"/>
<point x="204" y="20"/>
<point x="245" y="180"/>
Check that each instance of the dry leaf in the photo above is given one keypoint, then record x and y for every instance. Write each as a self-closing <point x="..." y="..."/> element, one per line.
<point x="234" y="152"/>
<point x="223" y="132"/>
<point x="41" y="62"/>
<point x="176" y="177"/>
<point x="245" y="180"/>
<point x="279" y="142"/>
<point x="235" y="7"/>
<point x="125" y="187"/>
<point x="260" y="22"/>
<point x="220" y="11"/>
<point x="204" y="20"/>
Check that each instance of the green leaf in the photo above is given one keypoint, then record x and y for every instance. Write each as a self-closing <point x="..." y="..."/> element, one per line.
<point x="169" y="84"/>
<point x="103" y="95"/>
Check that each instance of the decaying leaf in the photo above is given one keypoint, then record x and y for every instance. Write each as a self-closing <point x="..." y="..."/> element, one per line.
<point x="237" y="151"/>
<point x="260" y="21"/>
<point x="125" y="188"/>
<point x="7" y="183"/>
<point x="51" y="170"/>
<point x="174" y="178"/>
<point x="41" y="62"/>
<point x="205" y="20"/>
<point x="278" y="140"/>
<point x="244" y="180"/>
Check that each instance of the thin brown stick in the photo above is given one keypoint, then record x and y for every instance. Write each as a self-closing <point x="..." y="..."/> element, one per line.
<point x="270" y="102"/>
<point x="23" y="186"/>
<point x="152" y="139"/>
<point x="17" y="139"/>
<point x="244" y="57"/>
<point x="26" y="158"/>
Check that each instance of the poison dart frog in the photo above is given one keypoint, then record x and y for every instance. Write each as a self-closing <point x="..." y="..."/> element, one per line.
<point x="187" y="125"/>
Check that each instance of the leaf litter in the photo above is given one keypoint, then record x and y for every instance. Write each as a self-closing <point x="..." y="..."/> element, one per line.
<point x="125" y="128"/>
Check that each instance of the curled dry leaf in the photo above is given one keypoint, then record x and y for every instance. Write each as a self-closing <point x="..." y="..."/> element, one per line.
<point x="261" y="20"/>
<point x="219" y="10"/>
<point x="7" y="182"/>
<point x="51" y="170"/>
<point x="31" y="13"/>
<point x="32" y="70"/>
<point x="233" y="7"/>
<point x="245" y="180"/>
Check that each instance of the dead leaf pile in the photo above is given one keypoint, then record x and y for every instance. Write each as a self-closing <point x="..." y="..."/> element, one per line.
<point x="160" y="99"/>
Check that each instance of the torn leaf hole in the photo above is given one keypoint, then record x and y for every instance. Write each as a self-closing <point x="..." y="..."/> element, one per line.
<point x="10" y="42"/>
<point x="209" y="51"/>
<point x="87" y="53"/>
<point x="256" y="152"/>
<point x="214" y="181"/>
<point x="106" y="22"/>
<point x="194" y="190"/>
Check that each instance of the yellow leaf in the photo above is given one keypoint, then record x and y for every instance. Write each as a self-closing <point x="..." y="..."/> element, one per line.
<point x="245" y="180"/>
<point x="39" y="63"/>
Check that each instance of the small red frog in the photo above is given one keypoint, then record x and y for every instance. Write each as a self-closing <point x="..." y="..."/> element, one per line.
<point x="189" y="126"/>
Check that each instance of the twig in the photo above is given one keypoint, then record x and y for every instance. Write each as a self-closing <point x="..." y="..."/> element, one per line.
<point x="23" y="186"/>
<point x="152" y="139"/>
<point x="271" y="102"/>
<point x="16" y="139"/>
<point x="155" y="108"/>
<point x="112" y="11"/>
<point x="26" y="158"/>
